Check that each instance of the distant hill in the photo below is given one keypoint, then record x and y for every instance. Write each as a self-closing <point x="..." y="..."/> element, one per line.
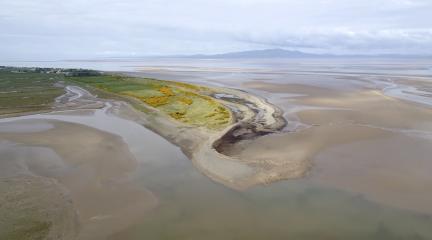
<point x="282" y="53"/>
<point x="267" y="53"/>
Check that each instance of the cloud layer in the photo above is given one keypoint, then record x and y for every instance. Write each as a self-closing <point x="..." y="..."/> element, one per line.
<point x="49" y="29"/>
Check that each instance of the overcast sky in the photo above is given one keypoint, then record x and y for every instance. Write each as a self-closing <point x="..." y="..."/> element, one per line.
<point x="59" y="29"/>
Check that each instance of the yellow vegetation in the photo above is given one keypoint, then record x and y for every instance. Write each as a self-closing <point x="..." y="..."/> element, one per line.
<point x="186" y="100"/>
<point x="166" y="91"/>
<point x="156" y="101"/>
<point x="183" y="102"/>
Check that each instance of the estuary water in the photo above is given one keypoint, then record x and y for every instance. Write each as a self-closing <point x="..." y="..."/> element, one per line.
<point x="359" y="187"/>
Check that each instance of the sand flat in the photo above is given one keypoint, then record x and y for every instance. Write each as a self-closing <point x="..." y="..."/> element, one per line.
<point x="95" y="169"/>
<point x="368" y="169"/>
<point x="359" y="140"/>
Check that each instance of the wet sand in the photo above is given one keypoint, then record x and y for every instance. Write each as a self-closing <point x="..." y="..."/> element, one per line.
<point x="360" y="141"/>
<point x="93" y="168"/>
<point x="400" y="178"/>
<point x="368" y="153"/>
<point x="373" y="105"/>
<point x="92" y="165"/>
<point x="189" y="205"/>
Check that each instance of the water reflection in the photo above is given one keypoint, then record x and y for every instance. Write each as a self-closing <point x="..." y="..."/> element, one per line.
<point x="191" y="206"/>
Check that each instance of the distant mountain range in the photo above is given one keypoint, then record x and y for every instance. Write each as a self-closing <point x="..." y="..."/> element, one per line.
<point x="282" y="53"/>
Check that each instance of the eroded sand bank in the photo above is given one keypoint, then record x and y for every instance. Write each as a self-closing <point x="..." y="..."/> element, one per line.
<point x="253" y="117"/>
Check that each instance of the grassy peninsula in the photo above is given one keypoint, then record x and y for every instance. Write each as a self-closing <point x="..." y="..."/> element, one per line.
<point x="203" y="121"/>
<point x="183" y="102"/>
<point x="35" y="89"/>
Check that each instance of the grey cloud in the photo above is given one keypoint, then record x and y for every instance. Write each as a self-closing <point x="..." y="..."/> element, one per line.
<point x="82" y="28"/>
<point x="402" y="41"/>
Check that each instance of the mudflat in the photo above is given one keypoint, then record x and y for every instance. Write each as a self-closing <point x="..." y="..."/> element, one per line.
<point x="362" y="126"/>
<point x="362" y="142"/>
<point x="358" y="140"/>
<point x="93" y="166"/>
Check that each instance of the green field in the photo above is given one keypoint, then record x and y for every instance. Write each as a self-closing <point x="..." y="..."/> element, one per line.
<point x="27" y="91"/>
<point x="182" y="102"/>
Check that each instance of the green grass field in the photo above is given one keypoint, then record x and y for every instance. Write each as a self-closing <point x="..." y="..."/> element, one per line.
<point x="183" y="102"/>
<point x="27" y="91"/>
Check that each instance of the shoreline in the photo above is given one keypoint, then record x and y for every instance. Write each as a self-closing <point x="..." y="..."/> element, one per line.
<point x="202" y="145"/>
<point x="252" y="117"/>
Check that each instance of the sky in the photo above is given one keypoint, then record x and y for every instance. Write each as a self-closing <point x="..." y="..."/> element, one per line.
<point x="81" y="29"/>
